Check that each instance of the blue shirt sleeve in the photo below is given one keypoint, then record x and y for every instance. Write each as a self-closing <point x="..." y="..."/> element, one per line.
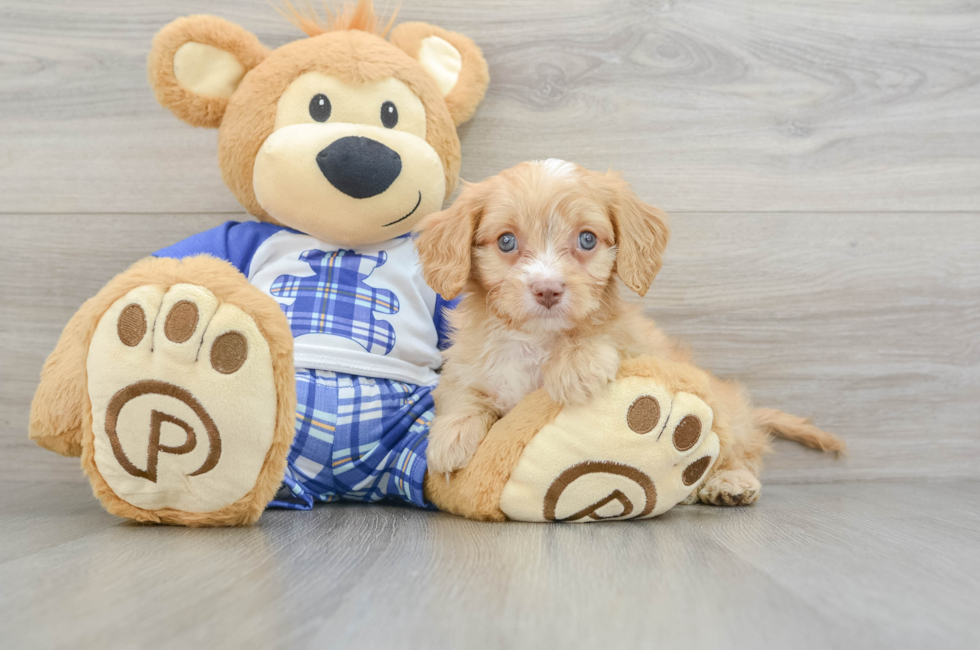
<point x="231" y="241"/>
<point x="442" y="322"/>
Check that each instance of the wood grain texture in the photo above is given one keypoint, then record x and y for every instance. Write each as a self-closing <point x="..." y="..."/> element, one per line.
<point x="846" y="565"/>
<point x="769" y="105"/>
<point x="868" y="323"/>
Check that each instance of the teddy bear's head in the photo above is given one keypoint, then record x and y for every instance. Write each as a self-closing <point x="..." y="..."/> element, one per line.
<point x="342" y="135"/>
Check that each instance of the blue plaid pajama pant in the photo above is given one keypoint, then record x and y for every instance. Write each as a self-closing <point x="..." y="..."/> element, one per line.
<point x="357" y="438"/>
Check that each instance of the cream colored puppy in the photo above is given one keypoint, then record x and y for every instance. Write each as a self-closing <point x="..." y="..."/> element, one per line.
<point x="536" y="250"/>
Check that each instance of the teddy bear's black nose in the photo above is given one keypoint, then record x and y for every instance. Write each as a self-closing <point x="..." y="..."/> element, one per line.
<point x="359" y="167"/>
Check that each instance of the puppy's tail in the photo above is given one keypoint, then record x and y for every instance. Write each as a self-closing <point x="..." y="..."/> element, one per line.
<point x="797" y="429"/>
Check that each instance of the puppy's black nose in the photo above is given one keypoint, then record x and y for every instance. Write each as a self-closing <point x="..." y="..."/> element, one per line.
<point x="359" y="167"/>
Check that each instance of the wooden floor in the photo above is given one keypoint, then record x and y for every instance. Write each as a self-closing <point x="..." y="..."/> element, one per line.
<point x="843" y="565"/>
<point x="820" y="160"/>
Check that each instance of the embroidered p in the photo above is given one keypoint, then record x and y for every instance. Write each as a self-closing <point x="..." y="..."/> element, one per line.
<point x="337" y="299"/>
<point x="157" y="418"/>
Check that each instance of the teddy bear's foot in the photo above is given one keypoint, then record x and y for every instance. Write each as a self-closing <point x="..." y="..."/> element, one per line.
<point x="184" y="407"/>
<point x="634" y="452"/>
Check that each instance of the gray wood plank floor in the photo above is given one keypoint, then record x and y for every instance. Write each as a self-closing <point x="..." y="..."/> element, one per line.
<point x="821" y="163"/>
<point x="844" y="565"/>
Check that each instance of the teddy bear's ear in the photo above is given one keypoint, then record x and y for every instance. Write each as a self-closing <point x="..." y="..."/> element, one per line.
<point x="453" y="60"/>
<point x="197" y="62"/>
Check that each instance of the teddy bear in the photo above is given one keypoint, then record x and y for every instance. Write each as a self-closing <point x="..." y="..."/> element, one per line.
<point x="290" y="360"/>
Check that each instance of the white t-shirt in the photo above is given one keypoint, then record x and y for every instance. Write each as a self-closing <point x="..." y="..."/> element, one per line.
<point x="363" y="312"/>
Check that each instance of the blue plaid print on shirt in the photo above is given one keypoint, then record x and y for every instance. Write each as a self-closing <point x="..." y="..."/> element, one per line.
<point x="337" y="300"/>
<point x="357" y="438"/>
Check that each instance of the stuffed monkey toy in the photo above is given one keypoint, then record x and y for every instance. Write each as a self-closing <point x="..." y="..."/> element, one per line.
<point x="291" y="360"/>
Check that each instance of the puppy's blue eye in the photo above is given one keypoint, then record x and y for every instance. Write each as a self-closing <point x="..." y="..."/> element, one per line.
<point x="507" y="242"/>
<point x="587" y="240"/>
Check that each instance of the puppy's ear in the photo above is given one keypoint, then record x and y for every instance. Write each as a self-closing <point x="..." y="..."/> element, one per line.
<point x="642" y="234"/>
<point x="454" y="61"/>
<point x="445" y="242"/>
<point x="197" y="62"/>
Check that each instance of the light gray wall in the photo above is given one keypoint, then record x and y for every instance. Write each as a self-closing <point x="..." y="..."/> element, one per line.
<point x="820" y="160"/>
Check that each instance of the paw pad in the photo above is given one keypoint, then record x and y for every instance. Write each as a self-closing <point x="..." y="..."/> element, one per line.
<point x="181" y="321"/>
<point x="131" y="326"/>
<point x="644" y="414"/>
<point x="229" y="352"/>
<point x="696" y="470"/>
<point x="687" y="433"/>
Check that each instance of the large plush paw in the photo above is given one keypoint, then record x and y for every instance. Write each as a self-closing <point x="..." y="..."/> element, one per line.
<point x="730" y="487"/>
<point x="183" y="399"/>
<point x="635" y="451"/>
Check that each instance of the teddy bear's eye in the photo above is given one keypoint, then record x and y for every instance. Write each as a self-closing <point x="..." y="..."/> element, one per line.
<point x="320" y="108"/>
<point x="389" y="115"/>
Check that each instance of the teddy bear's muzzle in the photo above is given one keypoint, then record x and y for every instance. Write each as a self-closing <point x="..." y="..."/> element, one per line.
<point x="359" y="167"/>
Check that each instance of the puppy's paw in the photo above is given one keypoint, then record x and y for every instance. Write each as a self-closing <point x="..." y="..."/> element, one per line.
<point x="578" y="375"/>
<point x="730" y="487"/>
<point x="690" y="499"/>
<point x="453" y="441"/>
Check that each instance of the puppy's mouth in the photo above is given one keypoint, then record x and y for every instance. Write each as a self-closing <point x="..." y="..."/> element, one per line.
<point x="554" y="316"/>
<point x="557" y="311"/>
<point x="417" y="204"/>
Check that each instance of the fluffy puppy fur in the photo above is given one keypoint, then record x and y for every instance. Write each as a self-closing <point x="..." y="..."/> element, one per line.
<point x="536" y="250"/>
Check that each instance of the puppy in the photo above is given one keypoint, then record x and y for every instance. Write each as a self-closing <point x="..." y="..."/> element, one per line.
<point x="536" y="250"/>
